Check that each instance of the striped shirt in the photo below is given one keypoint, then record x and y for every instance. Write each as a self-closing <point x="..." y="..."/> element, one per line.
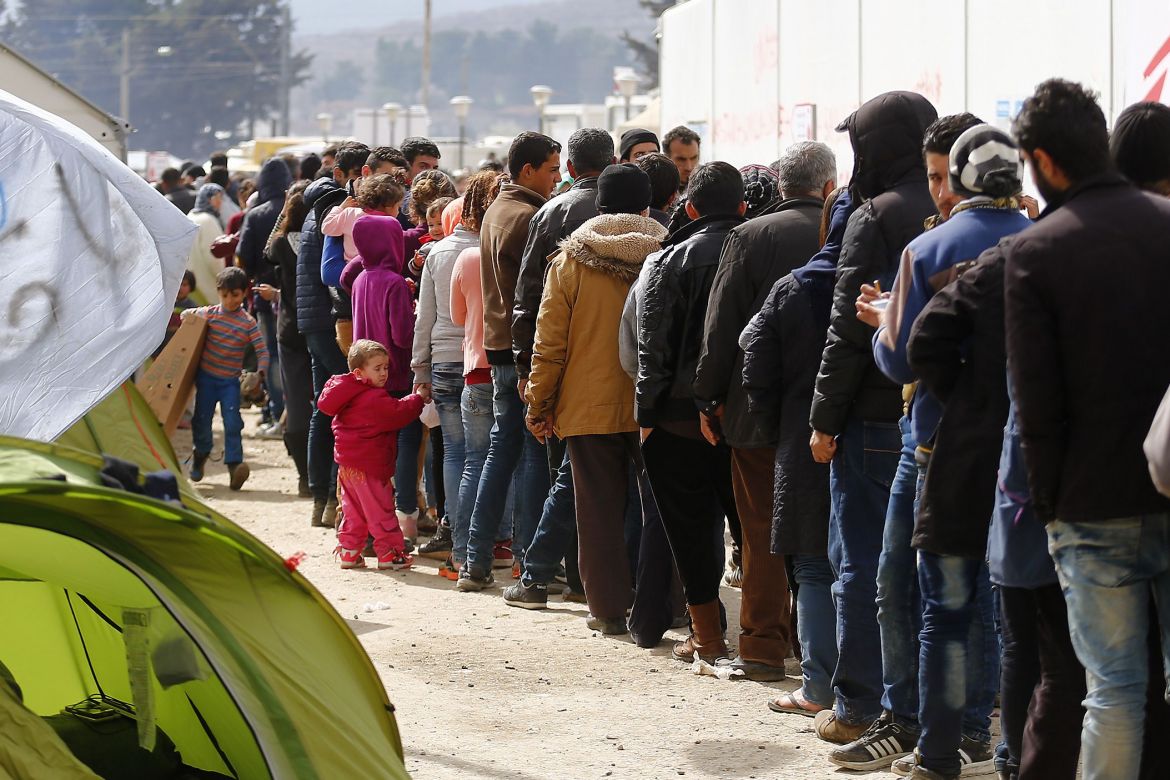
<point x="228" y="335"/>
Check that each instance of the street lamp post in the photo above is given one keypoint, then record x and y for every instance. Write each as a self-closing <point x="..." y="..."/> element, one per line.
<point x="461" y="104"/>
<point x="391" y="110"/>
<point x="627" y="84"/>
<point x="540" y="97"/>
<point x="325" y="122"/>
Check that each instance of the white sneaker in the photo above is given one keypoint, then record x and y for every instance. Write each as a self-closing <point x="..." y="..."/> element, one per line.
<point x="408" y="522"/>
<point x="270" y="431"/>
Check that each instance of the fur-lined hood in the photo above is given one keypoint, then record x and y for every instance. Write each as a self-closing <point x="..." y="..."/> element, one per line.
<point x="615" y="244"/>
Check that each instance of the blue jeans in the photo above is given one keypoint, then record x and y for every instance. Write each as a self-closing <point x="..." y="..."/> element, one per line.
<point x="1109" y="572"/>
<point x="447" y="392"/>
<point x="555" y="532"/>
<point x="899" y="602"/>
<point x="476" y="411"/>
<point x="959" y="659"/>
<point x="266" y="318"/>
<point x="859" y="485"/>
<point x="406" y="468"/>
<point x="327" y="361"/>
<point x="511" y="446"/>
<point x="209" y="391"/>
<point x="816" y="626"/>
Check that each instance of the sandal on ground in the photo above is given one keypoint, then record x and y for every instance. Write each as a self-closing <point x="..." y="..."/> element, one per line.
<point x="794" y="704"/>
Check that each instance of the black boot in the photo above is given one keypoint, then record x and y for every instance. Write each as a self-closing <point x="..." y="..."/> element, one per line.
<point x="330" y="517"/>
<point x="439" y="547"/>
<point x="297" y="445"/>
<point x="198" y="461"/>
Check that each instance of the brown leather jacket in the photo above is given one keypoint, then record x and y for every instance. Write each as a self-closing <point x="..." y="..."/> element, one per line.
<point x="502" y="237"/>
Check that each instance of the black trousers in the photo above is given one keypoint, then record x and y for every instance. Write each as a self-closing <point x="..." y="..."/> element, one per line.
<point x="1042" y="685"/>
<point x="691" y="481"/>
<point x="555" y="449"/>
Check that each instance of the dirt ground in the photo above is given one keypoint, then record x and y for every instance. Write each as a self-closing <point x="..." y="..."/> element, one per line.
<point x="485" y="691"/>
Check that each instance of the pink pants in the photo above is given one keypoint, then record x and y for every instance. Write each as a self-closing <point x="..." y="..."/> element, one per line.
<point x="367" y="507"/>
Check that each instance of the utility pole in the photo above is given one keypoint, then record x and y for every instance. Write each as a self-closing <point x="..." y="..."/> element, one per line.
<point x="285" y="75"/>
<point x="124" y="77"/>
<point x="426" y="63"/>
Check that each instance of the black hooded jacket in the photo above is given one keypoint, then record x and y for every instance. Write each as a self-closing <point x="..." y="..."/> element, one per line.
<point x="889" y="176"/>
<point x="271" y="184"/>
<point x="782" y="351"/>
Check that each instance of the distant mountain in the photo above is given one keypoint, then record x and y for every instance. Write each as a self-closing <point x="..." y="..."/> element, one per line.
<point x="340" y="15"/>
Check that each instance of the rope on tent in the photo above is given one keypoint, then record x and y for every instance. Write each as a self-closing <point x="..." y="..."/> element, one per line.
<point x="84" y="648"/>
<point x="130" y="407"/>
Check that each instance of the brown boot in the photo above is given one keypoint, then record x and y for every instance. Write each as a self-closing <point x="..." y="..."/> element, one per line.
<point x="706" y="637"/>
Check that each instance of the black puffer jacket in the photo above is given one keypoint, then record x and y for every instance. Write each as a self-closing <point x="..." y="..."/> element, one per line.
<point x="888" y="174"/>
<point x="755" y="256"/>
<point x="313" y="302"/>
<point x="551" y="224"/>
<point x="670" y="328"/>
<point x="956" y="348"/>
<point x="782" y="352"/>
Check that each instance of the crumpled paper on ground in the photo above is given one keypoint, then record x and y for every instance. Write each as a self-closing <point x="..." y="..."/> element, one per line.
<point x="701" y="667"/>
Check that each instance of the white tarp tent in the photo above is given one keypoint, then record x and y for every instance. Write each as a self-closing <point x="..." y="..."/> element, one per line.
<point x="90" y="259"/>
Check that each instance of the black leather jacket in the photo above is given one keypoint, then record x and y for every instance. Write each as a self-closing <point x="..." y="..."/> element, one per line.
<point x="670" y="326"/>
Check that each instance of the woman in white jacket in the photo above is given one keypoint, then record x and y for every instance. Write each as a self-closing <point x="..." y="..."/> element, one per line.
<point x="205" y="266"/>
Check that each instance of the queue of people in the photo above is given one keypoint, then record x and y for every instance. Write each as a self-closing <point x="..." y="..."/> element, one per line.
<point x="915" y="403"/>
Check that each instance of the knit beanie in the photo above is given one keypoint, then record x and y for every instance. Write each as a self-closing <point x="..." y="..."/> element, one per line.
<point x="761" y="188"/>
<point x="623" y="189"/>
<point x="1140" y="143"/>
<point x="632" y="138"/>
<point x="986" y="161"/>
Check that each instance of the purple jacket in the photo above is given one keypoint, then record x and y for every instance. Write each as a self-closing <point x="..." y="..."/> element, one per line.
<point x="382" y="305"/>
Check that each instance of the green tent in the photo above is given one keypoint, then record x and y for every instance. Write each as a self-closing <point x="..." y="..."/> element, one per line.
<point x="124" y="425"/>
<point x="105" y="591"/>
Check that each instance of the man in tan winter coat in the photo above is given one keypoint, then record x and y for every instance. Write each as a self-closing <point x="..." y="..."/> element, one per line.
<point x="578" y="389"/>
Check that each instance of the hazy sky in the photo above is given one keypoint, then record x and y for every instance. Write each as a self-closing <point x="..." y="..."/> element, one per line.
<point x="316" y="16"/>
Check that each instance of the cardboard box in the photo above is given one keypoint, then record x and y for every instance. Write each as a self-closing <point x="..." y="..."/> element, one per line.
<point x="168" y="383"/>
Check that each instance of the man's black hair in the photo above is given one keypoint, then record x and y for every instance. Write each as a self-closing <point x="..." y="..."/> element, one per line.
<point x="530" y="148"/>
<point x="194" y="171"/>
<point x="218" y="159"/>
<point x="415" y="146"/>
<point x="231" y="279"/>
<point x="219" y="175"/>
<point x="664" y="178"/>
<point x="386" y="154"/>
<point x="942" y="133"/>
<point x="590" y="150"/>
<point x="310" y="165"/>
<point x="715" y="188"/>
<point x="170" y="176"/>
<point x="350" y="157"/>
<point x="1064" y="119"/>
<point x="681" y="133"/>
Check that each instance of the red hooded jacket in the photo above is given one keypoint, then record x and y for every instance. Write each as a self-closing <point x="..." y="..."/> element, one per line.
<point x="366" y="421"/>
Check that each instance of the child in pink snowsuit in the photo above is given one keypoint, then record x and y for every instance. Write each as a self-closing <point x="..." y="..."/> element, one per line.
<point x="366" y="421"/>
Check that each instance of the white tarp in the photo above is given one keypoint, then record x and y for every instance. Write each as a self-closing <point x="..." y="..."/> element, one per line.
<point x="90" y="259"/>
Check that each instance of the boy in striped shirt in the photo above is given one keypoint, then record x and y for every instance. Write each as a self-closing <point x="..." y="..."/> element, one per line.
<point x="229" y="331"/>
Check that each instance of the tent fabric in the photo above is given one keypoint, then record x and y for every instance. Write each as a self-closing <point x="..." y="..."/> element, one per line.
<point x="109" y="255"/>
<point x="124" y="426"/>
<point x="287" y="689"/>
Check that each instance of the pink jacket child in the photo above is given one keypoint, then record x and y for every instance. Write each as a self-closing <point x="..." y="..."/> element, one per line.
<point x="366" y="421"/>
<point x="383" y="309"/>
